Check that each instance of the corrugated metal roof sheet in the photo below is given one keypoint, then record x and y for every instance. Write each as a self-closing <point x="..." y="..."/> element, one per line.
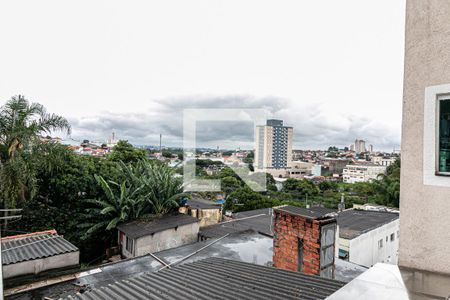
<point x="34" y="247"/>
<point x="140" y="228"/>
<point x="216" y="278"/>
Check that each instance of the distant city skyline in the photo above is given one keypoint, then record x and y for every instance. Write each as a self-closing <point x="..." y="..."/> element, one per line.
<point x="332" y="70"/>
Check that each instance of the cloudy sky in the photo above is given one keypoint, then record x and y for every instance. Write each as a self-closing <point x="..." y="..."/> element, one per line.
<point x="331" y="69"/>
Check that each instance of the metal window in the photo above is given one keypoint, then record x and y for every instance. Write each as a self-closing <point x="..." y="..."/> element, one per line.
<point x="129" y="243"/>
<point x="327" y="240"/>
<point x="443" y="140"/>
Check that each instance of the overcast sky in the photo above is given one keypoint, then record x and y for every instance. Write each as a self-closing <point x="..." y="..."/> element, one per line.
<point x="331" y="69"/>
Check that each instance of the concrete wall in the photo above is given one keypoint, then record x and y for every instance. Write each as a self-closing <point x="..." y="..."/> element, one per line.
<point x="424" y="224"/>
<point x="207" y="216"/>
<point x="37" y="266"/>
<point x="167" y="239"/>
<point x="363" y="250"/>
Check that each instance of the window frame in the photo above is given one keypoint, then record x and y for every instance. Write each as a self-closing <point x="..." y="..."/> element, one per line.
<point x="380" y="243"/>
<point x="129" y="244"/>
<point x="439" y="99"/>
<point x="433" y="94"/>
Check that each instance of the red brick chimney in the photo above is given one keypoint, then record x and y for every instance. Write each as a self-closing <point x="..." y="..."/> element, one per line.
<point x="304" y="240"/>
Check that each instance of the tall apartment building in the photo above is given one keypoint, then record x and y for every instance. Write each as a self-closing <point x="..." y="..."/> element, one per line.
<point x="273" y="145"/>
<point x="360" y="146"/>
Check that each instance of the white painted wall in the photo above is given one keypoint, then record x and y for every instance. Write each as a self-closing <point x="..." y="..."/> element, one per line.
<point x="36" y="266"/>
<point x="363" y="250"/>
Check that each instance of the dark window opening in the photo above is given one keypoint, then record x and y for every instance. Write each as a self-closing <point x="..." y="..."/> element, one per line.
<point x="300" y="255"/>
<point x="444" y="136"/>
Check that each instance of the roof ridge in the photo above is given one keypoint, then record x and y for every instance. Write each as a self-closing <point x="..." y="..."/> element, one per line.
<point x="51" y="232"/>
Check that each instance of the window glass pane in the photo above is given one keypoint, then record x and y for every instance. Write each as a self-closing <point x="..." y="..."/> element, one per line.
<point x="444" y="136"/>
<point x="328" y="235"/>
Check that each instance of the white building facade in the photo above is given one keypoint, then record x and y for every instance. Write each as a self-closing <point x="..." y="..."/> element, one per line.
<point x="369" y="237"/>
<point x="362" y="173"/>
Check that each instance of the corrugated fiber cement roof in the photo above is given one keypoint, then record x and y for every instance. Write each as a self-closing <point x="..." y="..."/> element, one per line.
<point x="217" y="278"/>
<point x="34" y="247"/>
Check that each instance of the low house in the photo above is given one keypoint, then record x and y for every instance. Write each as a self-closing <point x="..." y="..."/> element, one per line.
<point x="367" y="237"/>
<point x="142" y="237"/>
<point x="34" y="253"/>
<point x="207" y="212"/>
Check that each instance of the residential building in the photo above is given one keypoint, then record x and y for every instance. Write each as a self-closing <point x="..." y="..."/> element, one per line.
<point x="360" y="146"/>
<point x="299" y="169"/>
<point x="316" y="170"/>
<point x="334" y="165"/>
<point x="273" y="146"/>
<point x="425" y="184"/>
<point x="362" y="173"/>
<point x="29" y="255"/>
<point x="423" y="270"/>
<point x="382" y="160"/>
<point x="367" y="237"/>
<point x="205" y="211"/>
<point x="142" y="237"/>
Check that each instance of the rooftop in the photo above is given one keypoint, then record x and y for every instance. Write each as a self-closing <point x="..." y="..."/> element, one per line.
<point x="353" y="222"/>
<point x="219" y="279"/>
<point x="259" y="220"/>
<point x="140" y="228"/>
<point x="26" y="247"/>
<point x="247" y="246"/>
<point x="309" y="213"/>
<point x="202" y="204"/>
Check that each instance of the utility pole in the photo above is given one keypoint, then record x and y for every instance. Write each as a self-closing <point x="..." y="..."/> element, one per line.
<point x="5" y="218"/>
<point x="160" y="147"/>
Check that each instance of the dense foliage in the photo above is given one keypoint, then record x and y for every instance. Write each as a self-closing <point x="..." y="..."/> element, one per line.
<point x="21" y="125"/>
<point x="384" y="191"/>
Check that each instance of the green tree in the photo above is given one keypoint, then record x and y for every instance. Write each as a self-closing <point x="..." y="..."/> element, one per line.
<point x="63" y="181"/>
<point x="126" y="153"/>
<point x="229" y="184"/>
<point x="21" y="125"/>
<point x="328" y="186"/>
<point x="147" y="189"/>
<point x="121" y="203"/>
<point x="387" y="186"/>
<point x="301" y="187"/>
<point x="166" y="154"/>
